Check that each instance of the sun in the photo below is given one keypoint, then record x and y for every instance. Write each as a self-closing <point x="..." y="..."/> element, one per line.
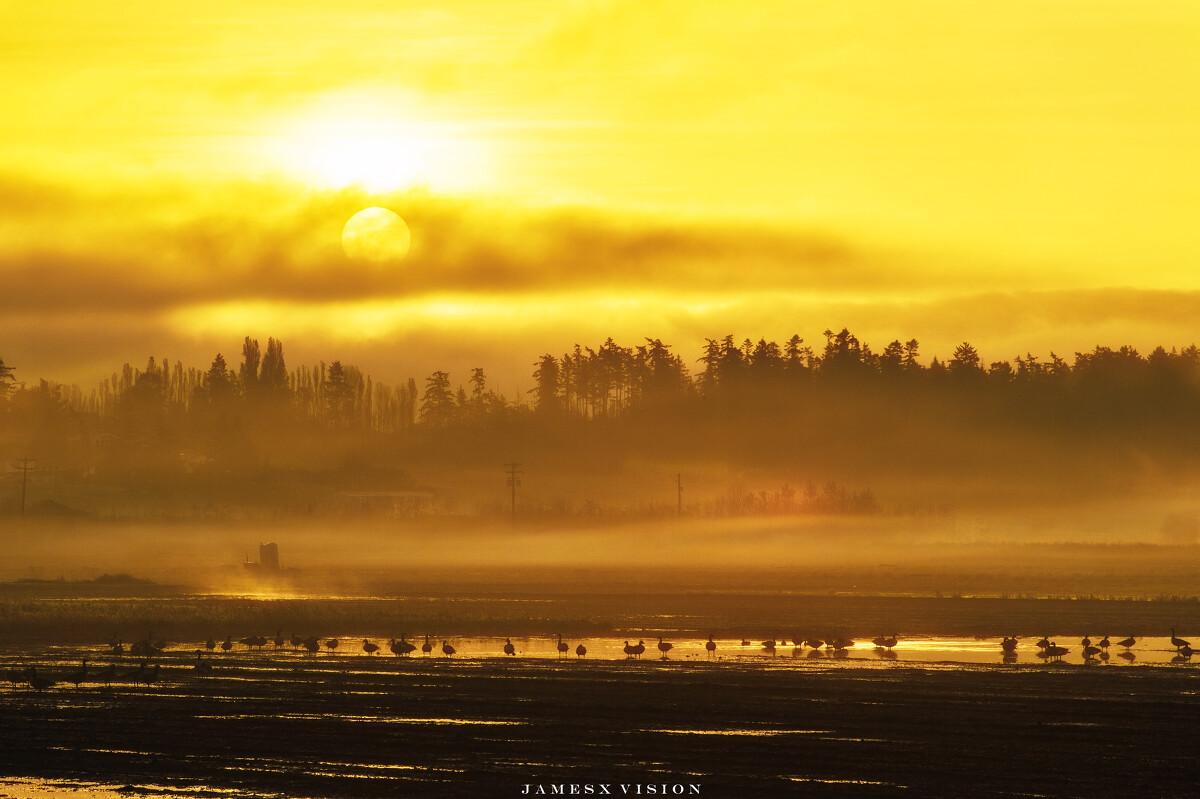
<point x="378" y="235"/>
<point x="377" y="143"/>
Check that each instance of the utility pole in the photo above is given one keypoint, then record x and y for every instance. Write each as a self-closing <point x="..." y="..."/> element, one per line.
<point x="25" y="468"/>
<point x="679" y="494"/>
<point x="513" y="470"/>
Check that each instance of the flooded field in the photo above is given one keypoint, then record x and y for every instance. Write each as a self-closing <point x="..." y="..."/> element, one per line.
<point x="930" y="715"/>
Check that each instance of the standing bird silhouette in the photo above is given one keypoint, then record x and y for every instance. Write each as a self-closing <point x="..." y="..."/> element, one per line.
<point x="448" y="650"/>
<point x="710" y="646"/>
<point x="1176" y="642"/>
<point x="581" y="651"/>
<point x="509" y="649"/>
<point x="427" y="647"/>
<point x="561" y="647"/>
<point x="664" y="647"/>
<point x="370" y="647"/>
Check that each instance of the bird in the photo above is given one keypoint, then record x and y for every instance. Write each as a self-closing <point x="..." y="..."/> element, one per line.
<point x="400" y="648"/>
<point x="38" y="682"/>
<point x="79" y="675"/>
<point x="427" y="647"/>
<point x="711" y="646"/>
<point x="890" y="642"/>
<point x="370" y="647"/>
<point x="279" y="639"/>
<point x="1044" y="643"/>
<point x="639" y="649"/>
<point x="561" y="647"/>
<point x="1128" y="642"/>
<point x="151" y="675"/>
<point x="1186" y="650"/>
<point x="745" y="642"/>
<point x="1090" y="652"/>
<point x="664" y="647"/>
<point x="201" y="666"/>
<point x="580" y="651"/>
<point x="1178" y="643"/>
<point x="210" y="644"/>
<point x="297" y="641"/>
<point x="628" y="650"/>
<point x="509" y="649"/>
<point x="1055" y="651"/>
<point x="448" y="650"/>
<point x="1104" y="643"/>
<point x="769" y="645"/>
<point x="312" y="645"/>
<point x="331" y="644"/>
<point x="227" y="644"/>
<point x="106" y="674"/>
<point x="815" y="643"/>
<point x="1009" y="644"/>
<point x="1086" y="642"/>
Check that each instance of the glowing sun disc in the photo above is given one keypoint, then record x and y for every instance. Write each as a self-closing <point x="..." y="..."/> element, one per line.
<point x="376" y="234"/>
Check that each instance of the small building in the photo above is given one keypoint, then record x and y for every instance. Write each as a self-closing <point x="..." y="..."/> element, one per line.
<point x="268" y="559"/>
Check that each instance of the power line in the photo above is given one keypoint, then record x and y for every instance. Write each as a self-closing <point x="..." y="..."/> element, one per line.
<point x="513" y="470"/>
<point x="25" y="467"/>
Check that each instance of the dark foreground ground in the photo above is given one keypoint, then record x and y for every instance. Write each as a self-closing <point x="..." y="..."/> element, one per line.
<point x="262" y="725"/>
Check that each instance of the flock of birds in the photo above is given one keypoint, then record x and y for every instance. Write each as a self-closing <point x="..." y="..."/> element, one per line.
<point x="149" y="647"/>
<point x="1095" y="650"/>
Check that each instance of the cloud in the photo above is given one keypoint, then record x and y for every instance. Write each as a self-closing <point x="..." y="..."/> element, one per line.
<point x="153" y="251"/>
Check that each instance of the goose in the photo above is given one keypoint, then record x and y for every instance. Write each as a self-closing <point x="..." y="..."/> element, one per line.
<point x="711" y="646"/>
<point x="406" y="647"/>
<point x="628" y="650"/>
<point x="77" y="677"/>
<point x="312" y="645"/>
<point x="561" y="647"/>
<point x="38" y="682"/>
<point x="448" y="650"/>
<point x="210" y="644"/>
<point x="769" y="645"/>
<point x="1009" y="644"/>
<point x="107" y="674"/>
<point x="1043" y="644"/>
<point x="1178" y="643"/>
<point x="370" y="647"/>
<point x="745" y="642"/>
<point x="1055" y="651"/>
<point x="581" y="651"/>
<point x="1186" y="651"/>
<point x="1090" y="652"/>
<point x="151" y="675"/>
<point x="815" y="643"/>
<point x="879" y="641"/>
<point x="400" y="648"/>
<point x="509" y="649"/>
<point x="890" y="643"/>
<point x="639" y="649"/>
<point x="227" y="644"/>
<point x="331" y="644"/>
<point x="1104" y="643"/>
<point x="1086" y="642"/>
<point x="427" y="647"/>
<point x="201" y="666"/>
<point x="1128" y="642"/>
<point x="664" y="647"/>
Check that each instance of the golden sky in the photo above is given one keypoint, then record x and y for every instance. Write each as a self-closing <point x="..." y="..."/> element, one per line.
<point x="175" y="175"/>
